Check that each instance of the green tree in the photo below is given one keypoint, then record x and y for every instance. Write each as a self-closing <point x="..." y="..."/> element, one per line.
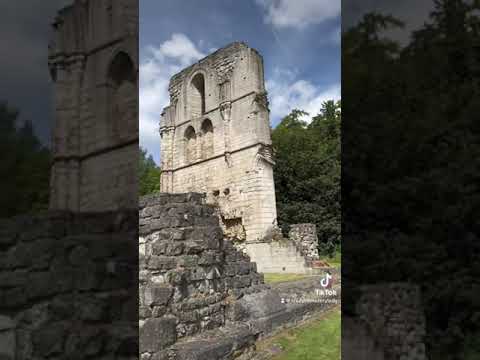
<point x="307" y="172"/>
<point x="410" y="163"/>
<point x="25" y="170"/>
<point x="149" y="174"/>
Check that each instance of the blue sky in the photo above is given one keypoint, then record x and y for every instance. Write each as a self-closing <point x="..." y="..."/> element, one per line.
<point x="299" y="41"/>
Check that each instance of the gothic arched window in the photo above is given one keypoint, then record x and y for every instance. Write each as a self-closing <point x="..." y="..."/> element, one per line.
<point x="122" y="97"/>
<point x="190" y="145"/>
<point x="207" y="139"/>
<point x="197" y="96"/>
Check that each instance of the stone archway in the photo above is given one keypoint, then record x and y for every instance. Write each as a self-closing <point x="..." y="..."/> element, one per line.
<point x="123" y="104"/>
<point x="207" y="139"/>
<point x="197" y="96"/>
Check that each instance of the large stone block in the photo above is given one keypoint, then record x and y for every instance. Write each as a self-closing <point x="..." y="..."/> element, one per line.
<point x="157" y="294"/>
<point x="49" y="340"/>
<point x="7" y="338"/>
<point x="41" y="285"/>
<point x="157" y="333"/>
<point x="162" y="262"/>
<point x="188" y="261"/>
<point x="260" y="304"/>
<point x="15" y="278"/>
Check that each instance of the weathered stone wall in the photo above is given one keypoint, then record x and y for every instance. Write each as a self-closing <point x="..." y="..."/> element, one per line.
<point x="389" y="324"/>
<point x="188" y="273"/>
<point x="277" y="257"/>
<point x="305" y="238"/>
<point x="69" y="286"/>
<point x="358" y="342"/>
<point x="224" y="151"/>
<point x="93" y="61"/>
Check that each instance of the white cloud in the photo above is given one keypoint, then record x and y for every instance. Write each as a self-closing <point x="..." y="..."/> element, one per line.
<point x="179" y="47"/>
<point x="299" y="13"/>
<point x="286" y="93"/>
<point x="156" y="68"/>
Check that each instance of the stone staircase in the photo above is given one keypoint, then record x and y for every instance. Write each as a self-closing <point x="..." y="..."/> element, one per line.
<point x="278" y="257"/>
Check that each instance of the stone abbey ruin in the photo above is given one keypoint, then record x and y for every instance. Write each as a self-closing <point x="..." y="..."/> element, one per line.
<point x="93" y="61"/>
<point x="215" y="139"/>
<point x="106" y="275"/>
<point x="201" y="295"/>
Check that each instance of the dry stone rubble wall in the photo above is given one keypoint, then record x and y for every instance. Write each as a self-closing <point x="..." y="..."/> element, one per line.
<point x="188" y="273"/>
<point x="305" y="238"/>
<point x="68" y="286"/>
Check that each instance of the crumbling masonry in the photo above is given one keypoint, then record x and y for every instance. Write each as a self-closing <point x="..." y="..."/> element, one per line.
<point x="93" y="61"/>
<point x="216" y="139"/>
<point x="201" y="298"/>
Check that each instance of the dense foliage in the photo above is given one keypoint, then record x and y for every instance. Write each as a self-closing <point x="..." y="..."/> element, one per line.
<point x="149" y="174"/>
<point x="307" y="173"/>
<point x="25" y="170"/>
<point x="411" y="164"/>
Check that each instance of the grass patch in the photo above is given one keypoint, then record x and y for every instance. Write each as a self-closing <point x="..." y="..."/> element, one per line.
<point x="272" y="278"/>
<point x="316" y="340"/>
<point x="335" y="261"/>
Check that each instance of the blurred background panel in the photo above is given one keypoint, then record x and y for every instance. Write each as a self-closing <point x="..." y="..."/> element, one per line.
<point x="410" y="175"/>
<point x="68" y="207"/>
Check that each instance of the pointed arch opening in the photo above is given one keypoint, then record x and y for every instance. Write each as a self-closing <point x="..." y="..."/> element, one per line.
<point x="197" y="96"/>
<point x="207" y="139"/>
<point x="123" y="96"/>
<point x="190" y="138"/>
<point x="121" y="69"/>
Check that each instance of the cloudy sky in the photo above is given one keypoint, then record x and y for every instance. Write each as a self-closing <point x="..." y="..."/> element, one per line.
<point x="299" y="41"/>
<point x="25" y="30"/>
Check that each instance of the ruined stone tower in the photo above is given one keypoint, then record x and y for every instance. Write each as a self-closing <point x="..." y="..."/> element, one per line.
<point x="93" y="63"/>
<point x="216" y="139"/>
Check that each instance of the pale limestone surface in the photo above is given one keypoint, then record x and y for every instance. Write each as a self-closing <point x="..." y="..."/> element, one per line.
<point x="277" y="257"/>
<point x="93" y="60"/>
<point x="216" y="139"/>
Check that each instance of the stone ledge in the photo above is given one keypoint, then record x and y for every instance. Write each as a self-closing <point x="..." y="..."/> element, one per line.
<point x="167" y="198"/>
<point x="236" y="340"/>
<point x="223" y="343"/>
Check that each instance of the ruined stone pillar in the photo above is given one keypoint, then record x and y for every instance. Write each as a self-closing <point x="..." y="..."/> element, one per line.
<point x="93" y="61"/>
<point x="226" y="113"/>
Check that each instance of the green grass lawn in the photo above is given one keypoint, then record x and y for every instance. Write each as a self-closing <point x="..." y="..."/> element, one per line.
<point x="319" y="339"/>
<point x="335" y="261"/>
<point x="272" y="278"/>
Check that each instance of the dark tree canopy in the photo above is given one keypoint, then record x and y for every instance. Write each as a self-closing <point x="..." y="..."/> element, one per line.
<point x="307" y="172"/>
<point x="25" y="170"/>
<point x="411" y="165"/>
